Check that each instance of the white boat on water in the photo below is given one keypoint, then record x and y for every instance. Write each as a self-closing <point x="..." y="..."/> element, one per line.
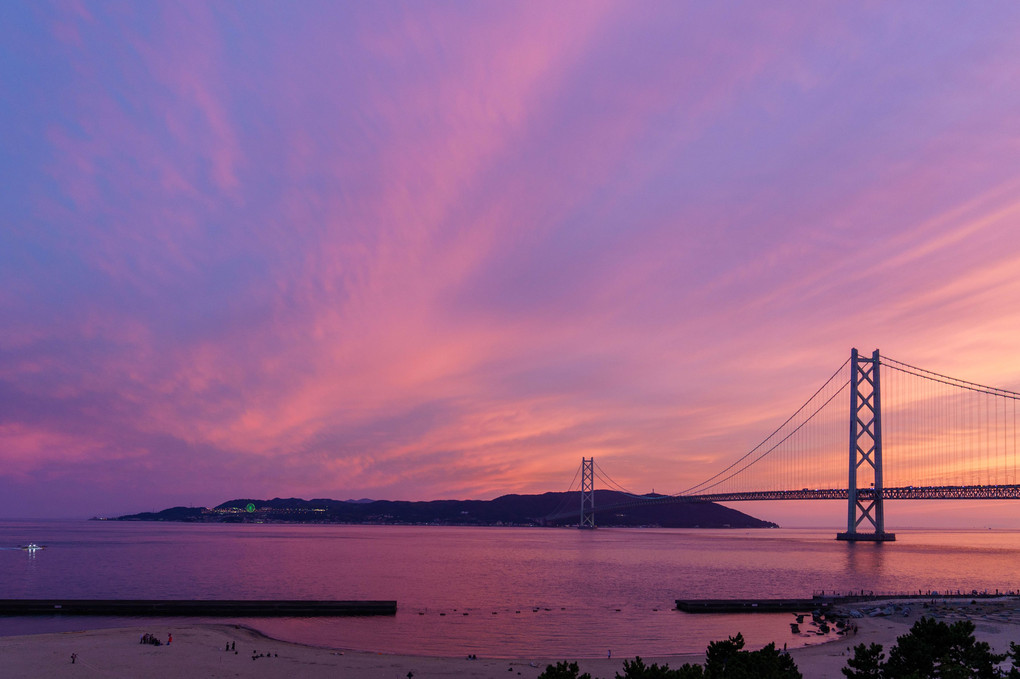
<point x="31" y="547"/>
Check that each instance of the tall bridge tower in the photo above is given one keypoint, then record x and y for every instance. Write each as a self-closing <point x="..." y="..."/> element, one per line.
<point x="865" y="504"/>
<point x="587" y="493"/>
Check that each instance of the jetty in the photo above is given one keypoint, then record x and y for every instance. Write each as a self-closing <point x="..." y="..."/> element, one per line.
<point x="750" y="605"/>
<point x="822" y="601"/>
<point x="261" y="608"/>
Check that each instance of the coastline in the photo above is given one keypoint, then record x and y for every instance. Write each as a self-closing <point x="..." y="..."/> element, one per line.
<point x="198" y="650"/>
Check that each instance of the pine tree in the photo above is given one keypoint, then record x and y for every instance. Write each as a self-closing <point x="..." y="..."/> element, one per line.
<point x="867" y="663"/>
<point x="941" y="651"/>
<point x="563" y="670"/>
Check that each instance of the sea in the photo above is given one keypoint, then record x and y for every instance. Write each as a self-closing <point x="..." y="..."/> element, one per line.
<point x="494" y="592"/>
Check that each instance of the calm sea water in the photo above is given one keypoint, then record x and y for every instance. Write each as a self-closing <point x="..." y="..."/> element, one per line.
<point x="525" y="591"/>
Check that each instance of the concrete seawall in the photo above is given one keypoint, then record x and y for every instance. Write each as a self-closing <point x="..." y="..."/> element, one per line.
<point x="823" y="601"/>
<point x="193" y="607"/>
<point x="749" y="605"/>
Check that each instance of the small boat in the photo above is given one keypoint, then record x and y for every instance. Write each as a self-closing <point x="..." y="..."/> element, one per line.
<point x="31" y="547"/>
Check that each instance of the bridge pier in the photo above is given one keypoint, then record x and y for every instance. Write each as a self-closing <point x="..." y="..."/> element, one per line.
<point x="587" y="493"/>
<point x="866" y="537"/>
<point x="865" y="504"/>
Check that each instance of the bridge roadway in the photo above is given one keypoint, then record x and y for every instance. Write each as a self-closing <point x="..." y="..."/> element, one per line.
<point x="998" y="492"/>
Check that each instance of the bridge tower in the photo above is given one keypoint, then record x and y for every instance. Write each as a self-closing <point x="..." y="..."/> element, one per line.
<point x="865" y="504"/>
<point x="587" y="493"/>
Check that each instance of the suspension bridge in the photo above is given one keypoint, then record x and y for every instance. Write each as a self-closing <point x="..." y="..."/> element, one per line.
<point x="914" y="434"/>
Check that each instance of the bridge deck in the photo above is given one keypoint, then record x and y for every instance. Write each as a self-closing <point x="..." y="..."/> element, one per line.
<point x="1001" y="492"/>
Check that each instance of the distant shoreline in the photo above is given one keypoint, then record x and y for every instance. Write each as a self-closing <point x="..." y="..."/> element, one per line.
<point x="504" y="511"/>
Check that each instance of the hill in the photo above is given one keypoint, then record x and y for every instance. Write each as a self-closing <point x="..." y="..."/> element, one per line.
<point x="507" y="510"/>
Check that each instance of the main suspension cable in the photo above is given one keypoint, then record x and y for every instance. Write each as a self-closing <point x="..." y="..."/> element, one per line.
<point x="769" y="437"/>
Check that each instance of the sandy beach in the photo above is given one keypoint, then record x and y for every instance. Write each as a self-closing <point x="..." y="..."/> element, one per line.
<point x="198" y="651"/>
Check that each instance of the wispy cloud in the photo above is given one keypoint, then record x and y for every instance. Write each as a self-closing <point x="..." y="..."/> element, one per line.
<point x="419" y="252"/>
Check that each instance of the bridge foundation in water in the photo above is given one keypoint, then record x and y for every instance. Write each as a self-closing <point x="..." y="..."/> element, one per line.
<point x="865" y="504"/>
<point x="587" y="493"/>
<point x="866" y="537"/>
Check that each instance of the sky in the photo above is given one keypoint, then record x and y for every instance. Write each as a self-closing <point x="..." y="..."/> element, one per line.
<point x="444" y="250"/>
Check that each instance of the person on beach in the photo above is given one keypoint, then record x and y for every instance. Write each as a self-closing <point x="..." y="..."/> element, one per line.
<point x="74" y="657"/>
<point x="169" y="639"/>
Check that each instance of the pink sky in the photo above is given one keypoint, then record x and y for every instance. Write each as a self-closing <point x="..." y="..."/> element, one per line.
<point x="444" y="250"/>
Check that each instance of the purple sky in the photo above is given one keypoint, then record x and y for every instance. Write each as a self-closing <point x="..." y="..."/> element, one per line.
<point x="443" y="250"/>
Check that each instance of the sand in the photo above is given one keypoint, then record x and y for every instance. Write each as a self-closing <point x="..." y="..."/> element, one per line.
<point x="198" y="651"/>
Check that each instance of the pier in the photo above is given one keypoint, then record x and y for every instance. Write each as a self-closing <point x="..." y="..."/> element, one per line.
<point x="263" y="608"/>
<point x="750" y="605"/>
<point x="823" y="602"/>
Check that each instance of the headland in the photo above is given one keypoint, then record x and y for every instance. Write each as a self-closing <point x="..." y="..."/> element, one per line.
<point x="507" y="510"/>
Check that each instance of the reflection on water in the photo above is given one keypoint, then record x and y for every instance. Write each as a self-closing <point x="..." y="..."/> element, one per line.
<point x="865" y="557"/>
<point x="490" y="591"/>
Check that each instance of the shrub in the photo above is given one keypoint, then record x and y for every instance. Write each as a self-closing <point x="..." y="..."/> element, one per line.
<point x="563" y="670"/>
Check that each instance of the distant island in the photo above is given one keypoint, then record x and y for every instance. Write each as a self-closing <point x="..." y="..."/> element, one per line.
<point x="507" y="510"/>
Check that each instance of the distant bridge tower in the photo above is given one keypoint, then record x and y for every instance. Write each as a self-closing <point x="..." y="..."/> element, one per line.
<point x="865" y="448"/>
<point x="587" y="493"/>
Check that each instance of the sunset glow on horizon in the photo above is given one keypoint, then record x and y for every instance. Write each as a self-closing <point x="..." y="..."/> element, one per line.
<point x="444" y="250"/>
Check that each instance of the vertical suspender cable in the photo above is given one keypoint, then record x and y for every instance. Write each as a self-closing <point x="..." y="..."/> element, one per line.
<point x="989" y="462"/>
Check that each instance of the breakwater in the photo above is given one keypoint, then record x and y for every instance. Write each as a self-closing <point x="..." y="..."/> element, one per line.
<point x="196" y="607"/>
<point x="853" y="596"/>
<point x="749" y="605"/>
<point x="822" y="601"/>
